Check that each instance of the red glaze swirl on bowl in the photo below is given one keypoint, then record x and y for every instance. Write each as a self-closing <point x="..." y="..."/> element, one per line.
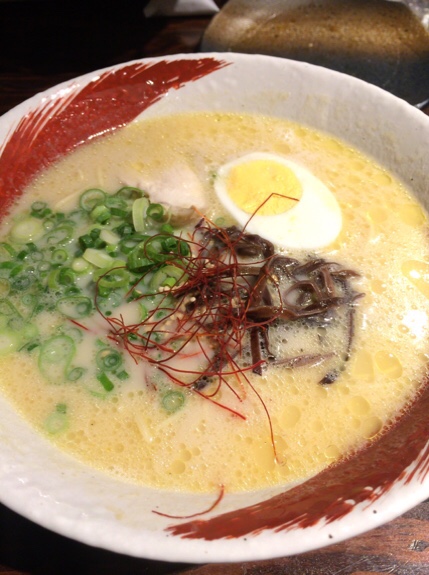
<point x="72" y="116"/>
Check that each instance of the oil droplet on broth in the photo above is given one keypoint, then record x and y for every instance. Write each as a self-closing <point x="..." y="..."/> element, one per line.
<point x="388" y="364"/>
<point x="377" y="286"/>
<point x="177" y="467"/>
<point x="289" y="416"/>
<point x="358" y="405"/>
<point x="376" y="215"/>
<point x="412" y="214"/>
<point x="418" y="274"/>
<point x="382" y="178"/>
<point x="332" y="452"/>
<point x="263" y="457"/>
<point x="371" y="426"/>
<point x="363" y="365"/>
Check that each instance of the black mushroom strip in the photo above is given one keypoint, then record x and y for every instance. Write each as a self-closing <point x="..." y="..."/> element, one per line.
<point x="312" y="293"/>
<point x="263" y="291"/>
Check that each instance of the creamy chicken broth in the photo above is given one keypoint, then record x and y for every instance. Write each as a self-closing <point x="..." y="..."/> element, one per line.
<point x="340" y="377"/>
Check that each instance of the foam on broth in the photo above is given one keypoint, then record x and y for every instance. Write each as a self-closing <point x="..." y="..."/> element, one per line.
<point x="384" y="238"/>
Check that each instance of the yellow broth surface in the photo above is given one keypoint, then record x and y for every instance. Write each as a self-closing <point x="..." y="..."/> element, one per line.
<point x="202" y="446"/>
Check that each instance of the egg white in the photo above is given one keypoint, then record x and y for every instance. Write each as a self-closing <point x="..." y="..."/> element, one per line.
<point x="314" y="222"/>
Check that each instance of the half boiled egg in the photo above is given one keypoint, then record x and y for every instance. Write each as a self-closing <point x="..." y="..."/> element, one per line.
<point x="280" y="200"/>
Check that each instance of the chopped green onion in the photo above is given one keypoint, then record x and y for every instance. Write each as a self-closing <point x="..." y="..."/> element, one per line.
<point x="6" y="251"/>
<point x="169" y="282"/>
<point x="7" y="308"/>
<point x="9" y="341"/>
<point x="155" y="212"/>
<point x="59" y="235"/>
<point x="154" y="250"/>
<point x="184" y="248"/>
<point x="53" y="279"/>
<point x="35" y="256"/>
<point x="22" y="255"/>
<point x="162" y="248"/>
<point x="167" y="229"/>
<point x="91" y="198"/>
<point x="56" y="422"/>
<point x="16" y="270"/>
<point x="22" y="282"/>
<point x="109" y="237"/>
<point x="7" y="265"/>
<point x="98" y="258"/>
<point x="86" y="241"/>
<point x="29" y="300"/>
<point x="80" y="266"/>
<point x="139" y="214"/>
<point x="66" y="276"/>
<point x="172" y="401"/>
<point x="109" y="300"/>
<point x="27" y="230"/>
<point x="16" y="323"/>
<point x="75" y="373"/>
<point x="127" y="244"/>
<point x="100" y="214"/>
<point x="114" y="278"/>
<point x="78" y="216"/>
<point x="71" y="290"/>
<point x="6" y="268"/>
<point x="55" y="357"/>
<point x="59" y="256"/>
<point x="130" y="193"/>
<point x="40" y="210"/>
<point x="169" y="243"/>
<point x="38" y="206"/>
<point x="124" y="229"/>
<point x="4" y="287"/>
<point x="174" y="272"/>
<point x="74" y="332"/>
<point x="117" y="206"/>
<point x="157" y="279"/>
<point x="49" y="224"/>
<point x="29" y="331"/>
<point x="106" y="382"/>
<point x="137" y="260"/>
<point x="108" y="359"/>
<point x="75" y="307"/>
<point x="43" y="266"/>
<point x="30" y="346"/>
<point x="111" y="250"/>
<point x="143" y="312"/>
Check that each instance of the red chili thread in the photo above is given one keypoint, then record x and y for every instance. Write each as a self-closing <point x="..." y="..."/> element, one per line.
<point x="79" y="324"/>
<point x="212" y="506"/>
<point x="217" y="324"/>
<point x="208" y="308"/>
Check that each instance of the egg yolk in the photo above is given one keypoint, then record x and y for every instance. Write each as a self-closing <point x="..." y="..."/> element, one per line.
<point x="265" y="187"/>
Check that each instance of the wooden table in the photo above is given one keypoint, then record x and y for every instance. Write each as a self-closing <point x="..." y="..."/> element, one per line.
<point x="45" y="42"/>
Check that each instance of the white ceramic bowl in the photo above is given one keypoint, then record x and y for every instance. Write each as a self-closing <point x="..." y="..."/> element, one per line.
<point x="381" y="482"/>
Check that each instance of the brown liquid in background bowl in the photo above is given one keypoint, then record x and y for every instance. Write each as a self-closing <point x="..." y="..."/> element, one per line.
<point x="379" y="41"/>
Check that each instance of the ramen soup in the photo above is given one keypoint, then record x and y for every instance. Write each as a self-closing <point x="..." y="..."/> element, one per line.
<point x="209" y="300"/>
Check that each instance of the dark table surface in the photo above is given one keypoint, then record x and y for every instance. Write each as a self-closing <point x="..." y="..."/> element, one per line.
<point x="43" y="42"/>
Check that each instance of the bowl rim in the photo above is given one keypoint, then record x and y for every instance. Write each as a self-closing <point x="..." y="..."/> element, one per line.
<point x="22" y="495"/>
